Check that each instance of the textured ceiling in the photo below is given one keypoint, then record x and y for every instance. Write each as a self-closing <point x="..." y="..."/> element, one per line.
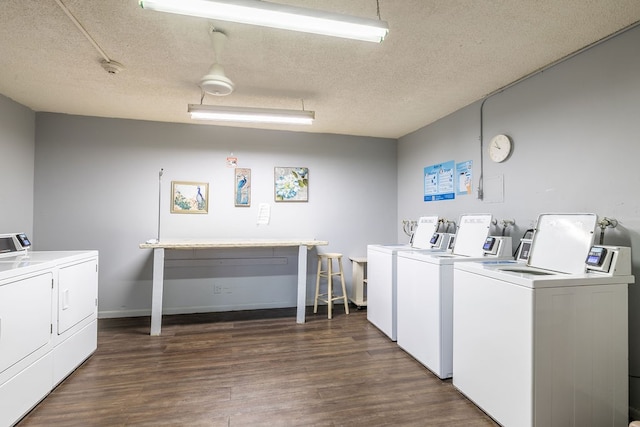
<point x="439" y="56"/>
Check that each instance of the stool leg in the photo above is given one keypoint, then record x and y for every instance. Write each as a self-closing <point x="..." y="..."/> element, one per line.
<point x="315" y="304"/>
<point x="344" y="288"/>
<point x="329" y="285"/>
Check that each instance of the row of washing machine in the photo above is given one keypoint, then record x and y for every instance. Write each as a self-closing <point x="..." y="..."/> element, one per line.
<point x="537" y="342"/>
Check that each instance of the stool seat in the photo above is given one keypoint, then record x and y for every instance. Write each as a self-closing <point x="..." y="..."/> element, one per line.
<point x="328" y="273"/>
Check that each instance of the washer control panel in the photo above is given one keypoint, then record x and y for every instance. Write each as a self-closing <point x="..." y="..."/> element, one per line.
<point x="13" y="243"/>
<point x="613" y="260"/>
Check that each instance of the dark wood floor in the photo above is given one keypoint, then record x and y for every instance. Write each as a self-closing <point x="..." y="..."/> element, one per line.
<point x="255" y="368"/>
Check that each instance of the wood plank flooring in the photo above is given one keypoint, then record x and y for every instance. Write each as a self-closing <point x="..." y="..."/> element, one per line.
<point x="255" y="368"/>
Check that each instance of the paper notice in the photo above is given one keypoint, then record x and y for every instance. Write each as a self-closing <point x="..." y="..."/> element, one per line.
<point x="264" y="213"/>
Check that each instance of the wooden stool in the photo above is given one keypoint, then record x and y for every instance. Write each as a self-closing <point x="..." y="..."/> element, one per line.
<point x="328" y="273"/>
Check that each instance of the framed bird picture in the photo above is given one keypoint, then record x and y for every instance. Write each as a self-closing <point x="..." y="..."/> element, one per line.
<point x="189" y="197"/>
<point x="242" y="187"/>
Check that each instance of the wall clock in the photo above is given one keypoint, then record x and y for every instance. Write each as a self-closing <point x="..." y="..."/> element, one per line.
<point x="500" y="147"/>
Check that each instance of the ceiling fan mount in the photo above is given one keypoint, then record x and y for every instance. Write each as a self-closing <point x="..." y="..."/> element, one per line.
<point x="215" y="82"/>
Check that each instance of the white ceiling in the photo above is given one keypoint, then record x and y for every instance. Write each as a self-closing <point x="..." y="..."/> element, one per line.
<point x="439" y="56"/>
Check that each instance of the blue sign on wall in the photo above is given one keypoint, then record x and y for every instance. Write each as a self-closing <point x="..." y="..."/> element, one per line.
<point x="439" y="182"/>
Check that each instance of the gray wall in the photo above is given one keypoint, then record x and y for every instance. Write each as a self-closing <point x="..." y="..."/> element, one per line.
<point x="97" y="182"/>
<point x="576" y="133"/>
<point x="17" y="145"/>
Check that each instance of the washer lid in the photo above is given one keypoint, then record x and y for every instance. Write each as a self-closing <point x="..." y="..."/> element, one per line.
<point x="561" y="242"/>
<point x="427" y="225"/>
<point x="472" y="232"/>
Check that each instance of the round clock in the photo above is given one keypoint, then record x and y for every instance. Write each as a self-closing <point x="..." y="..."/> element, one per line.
<point x="499" y="148"/>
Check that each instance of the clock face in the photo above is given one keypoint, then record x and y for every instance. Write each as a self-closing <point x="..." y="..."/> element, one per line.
<point x="499" y="148"/>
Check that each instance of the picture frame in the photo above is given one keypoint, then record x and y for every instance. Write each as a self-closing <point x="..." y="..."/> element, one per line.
<point x="291" y="184"/>
<point x="189" y="197"/>
<point x="242" y="187"/>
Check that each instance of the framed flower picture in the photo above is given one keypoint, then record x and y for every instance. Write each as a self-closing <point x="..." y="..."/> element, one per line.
<point x="189" y="197"/>
<point x="291" y="184"/>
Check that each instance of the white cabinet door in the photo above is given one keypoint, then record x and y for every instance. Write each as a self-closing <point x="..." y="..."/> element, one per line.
<point x="25" y="317"/>
<point x="77" y="293"/>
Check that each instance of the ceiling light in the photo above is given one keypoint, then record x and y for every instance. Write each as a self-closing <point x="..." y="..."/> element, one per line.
<point x="250" y="115"/>
<point x="256" y="12"/>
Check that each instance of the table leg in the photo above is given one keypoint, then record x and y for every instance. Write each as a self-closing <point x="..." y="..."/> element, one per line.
<point x="302" y="283"/>
<point x="156" y="295"/>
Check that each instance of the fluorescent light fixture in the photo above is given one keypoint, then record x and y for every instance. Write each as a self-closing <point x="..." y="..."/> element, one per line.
<point x="250" y="115"/>
<point x="267" y="14"/>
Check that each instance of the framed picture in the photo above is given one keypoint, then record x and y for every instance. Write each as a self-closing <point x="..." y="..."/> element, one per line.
<point x="242" y="187"/>
<point x="189" y="197"/>
<point x="291" y="184"/>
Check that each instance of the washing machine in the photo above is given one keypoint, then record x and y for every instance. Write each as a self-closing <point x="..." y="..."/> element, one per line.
<point x="381" y="272"/>
<point x="545" y="344"/>
<point x="48" y="324"/>
<point x="425" y="292"/>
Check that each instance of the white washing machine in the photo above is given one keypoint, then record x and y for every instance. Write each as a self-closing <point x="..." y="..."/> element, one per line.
<point x="48" y="322"/>
<point x="545" y="344"/>
<point x="381" y="273"/>
<point x="425" y="292"/>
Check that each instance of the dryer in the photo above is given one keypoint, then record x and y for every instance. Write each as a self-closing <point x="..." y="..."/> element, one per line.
<point x="545" y="344"/>
<point x="48" y="323"/>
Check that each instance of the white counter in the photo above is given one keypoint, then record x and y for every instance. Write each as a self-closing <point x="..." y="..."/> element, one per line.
<point x="193" y="244"/>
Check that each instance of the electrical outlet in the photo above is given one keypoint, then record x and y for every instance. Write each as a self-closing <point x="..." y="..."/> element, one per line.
<point x="217" y="289"/>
